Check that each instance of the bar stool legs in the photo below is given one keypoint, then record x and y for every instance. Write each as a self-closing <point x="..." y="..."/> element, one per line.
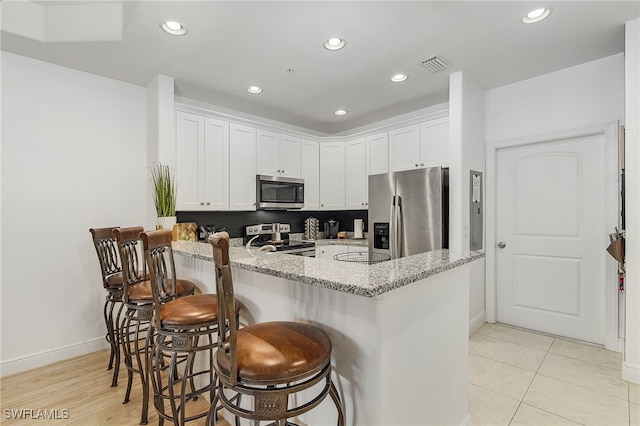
<point x="136" y="341"/>
<point x="113" y="298"/>
<point x="174" y="373"/>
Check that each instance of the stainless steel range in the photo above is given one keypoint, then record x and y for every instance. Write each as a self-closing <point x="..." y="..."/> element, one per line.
<point x="277" y="236"/>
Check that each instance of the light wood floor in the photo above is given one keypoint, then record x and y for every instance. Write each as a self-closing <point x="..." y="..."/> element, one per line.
<point x="82" y="387"/>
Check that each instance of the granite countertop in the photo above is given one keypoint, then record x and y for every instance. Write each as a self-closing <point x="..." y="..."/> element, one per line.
<point x="360" y="279"/>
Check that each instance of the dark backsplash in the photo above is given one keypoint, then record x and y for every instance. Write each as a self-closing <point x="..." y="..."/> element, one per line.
<point x="234" y="222"/>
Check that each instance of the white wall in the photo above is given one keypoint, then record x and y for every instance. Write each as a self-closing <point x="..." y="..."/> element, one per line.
<point x="582" y="95"/>
<point x="590" y="94"/>
<point x="74" y="157"/>
<point x="631" y="366"/>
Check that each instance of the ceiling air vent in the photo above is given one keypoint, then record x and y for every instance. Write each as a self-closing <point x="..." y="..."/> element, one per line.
<point x="434" y="64"/>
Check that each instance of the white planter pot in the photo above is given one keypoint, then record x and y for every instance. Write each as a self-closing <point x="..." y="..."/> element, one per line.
<point x="166" y="222"/>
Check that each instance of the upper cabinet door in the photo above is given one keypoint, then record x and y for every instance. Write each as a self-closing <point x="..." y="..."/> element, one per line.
<point x="189" y="160"/>
<point x="202" y="163"/>
<point x="404" y="148"/>
<point x="290" y="156"/>
<point x="268" y="146"/>
<point x="356" y="175"/>
<point x="242" y="167"/>
<point x="378" y="153"/>
<point x="435" y="142"/>
<point x="216" y="164"/>
<point x="310" y="172"/>
<point x="278" y="155"/>
<point x="332" y="166"/>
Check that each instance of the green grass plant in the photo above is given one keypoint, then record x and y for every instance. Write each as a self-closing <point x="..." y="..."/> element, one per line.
<point x="164" y="190"/>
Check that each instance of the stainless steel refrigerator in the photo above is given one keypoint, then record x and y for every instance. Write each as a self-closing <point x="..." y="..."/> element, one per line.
<point x="409" y="212"/>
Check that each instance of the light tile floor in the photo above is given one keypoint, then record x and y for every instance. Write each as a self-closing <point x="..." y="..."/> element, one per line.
<point x="519" y="377"/>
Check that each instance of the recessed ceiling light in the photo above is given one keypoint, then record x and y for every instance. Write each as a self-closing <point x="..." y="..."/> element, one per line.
<point x="399" y="78"/>
<point x="173" y="27"/>
<point x="341" y="112"/>
<point x="334" y="43"/>
<point x="536" y="15"/>
<point x="254" y="89"/>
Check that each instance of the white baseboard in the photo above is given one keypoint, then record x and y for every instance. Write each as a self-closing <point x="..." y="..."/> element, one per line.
<point x="18" y="365"/>
<point x="631" y="373"/>
<point x="477" y="322"/>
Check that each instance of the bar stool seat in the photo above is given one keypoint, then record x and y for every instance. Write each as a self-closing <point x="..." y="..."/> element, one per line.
<point x="189" y="311"/>
<point x="277" y="351"/>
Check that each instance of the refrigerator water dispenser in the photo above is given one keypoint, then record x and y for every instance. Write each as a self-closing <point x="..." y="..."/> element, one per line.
<point x="381" y="236"/>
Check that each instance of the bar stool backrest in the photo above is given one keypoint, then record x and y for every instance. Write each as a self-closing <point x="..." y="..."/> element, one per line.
<point x="132" y="273"/>
<point x="104" y="241"/>
<point x="162" y="270"/>
<point x="227" y="320"/>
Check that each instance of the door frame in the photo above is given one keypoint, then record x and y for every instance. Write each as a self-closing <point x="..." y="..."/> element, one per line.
<point x="612" y="202"/>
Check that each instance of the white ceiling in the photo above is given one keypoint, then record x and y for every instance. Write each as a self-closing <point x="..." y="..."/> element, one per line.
<point x="233" y="44"/>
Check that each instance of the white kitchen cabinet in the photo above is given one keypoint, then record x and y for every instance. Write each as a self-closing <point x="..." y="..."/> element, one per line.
<point x="434" y="145"/>
<point x="404" y="148"/>
<point x="310" y="172"/>
<point x="356" y="174"/>
<point x="332" y="176"/>
<point x="419" y="145"/>
<point x="277" y="155"/>
<point x="202" y="152"/>
<point x="378" y="153"/>
<point x="242" y="167"/>
<point x="290" y="156"/>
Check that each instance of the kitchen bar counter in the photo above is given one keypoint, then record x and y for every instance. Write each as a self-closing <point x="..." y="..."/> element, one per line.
<point x="359" y="279"/>
<point x="399" y="329"/>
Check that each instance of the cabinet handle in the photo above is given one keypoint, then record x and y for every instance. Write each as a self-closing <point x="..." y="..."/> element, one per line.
<point x="202" y="203"/>
<point x="416" y="164"/>
<point x="422" y="164"/>
<point x="282" y="170"/>
<point x="208" y="203"/>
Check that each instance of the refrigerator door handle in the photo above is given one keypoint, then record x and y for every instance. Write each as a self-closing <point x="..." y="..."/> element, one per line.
<point x="392" y="228"/>
<point x="399" y="227"/>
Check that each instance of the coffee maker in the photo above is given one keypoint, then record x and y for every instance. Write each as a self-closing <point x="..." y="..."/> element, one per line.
<point x="331" y="228"/>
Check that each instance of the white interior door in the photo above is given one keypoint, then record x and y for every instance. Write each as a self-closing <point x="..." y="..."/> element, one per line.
<point x="551" y="234"/>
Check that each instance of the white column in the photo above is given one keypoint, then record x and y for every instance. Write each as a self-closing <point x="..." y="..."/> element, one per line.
<point x="466" y="152"/>
<point x="161" y="139"/>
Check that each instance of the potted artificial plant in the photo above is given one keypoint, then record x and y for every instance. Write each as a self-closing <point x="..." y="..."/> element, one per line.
<point x="164" y="195"/>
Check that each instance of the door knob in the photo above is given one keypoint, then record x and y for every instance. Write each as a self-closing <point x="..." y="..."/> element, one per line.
<point x="501" y="244"/>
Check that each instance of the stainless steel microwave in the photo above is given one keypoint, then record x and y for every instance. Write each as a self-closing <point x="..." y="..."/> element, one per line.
<point x="279" y="193"/>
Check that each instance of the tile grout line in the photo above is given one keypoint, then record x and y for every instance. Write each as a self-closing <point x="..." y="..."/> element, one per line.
<point x="535" y="374"/>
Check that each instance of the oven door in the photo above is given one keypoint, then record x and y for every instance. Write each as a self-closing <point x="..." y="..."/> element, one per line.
<point x="279" y="193"/>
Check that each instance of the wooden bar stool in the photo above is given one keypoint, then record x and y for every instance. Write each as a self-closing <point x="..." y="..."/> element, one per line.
<point x="137" y="298"/>
<point x="183" y="327"/>
<point x="105" y="243"/>
<point x="267" y="362"/>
